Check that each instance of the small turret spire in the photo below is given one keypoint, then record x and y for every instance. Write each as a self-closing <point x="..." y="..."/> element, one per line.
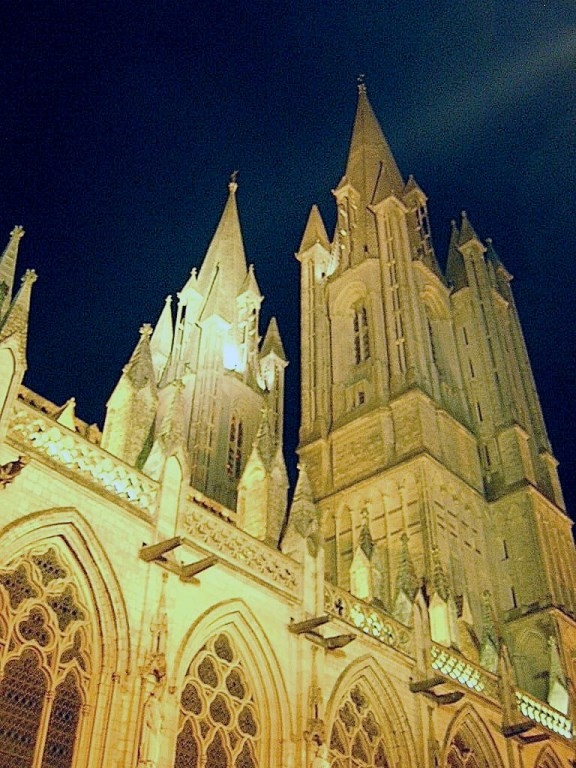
<point x="15" y="321"/>
<point x="315" y="232"/>
<point x="8" y="268"/>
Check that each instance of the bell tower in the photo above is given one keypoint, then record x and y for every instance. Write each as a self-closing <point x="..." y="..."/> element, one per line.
<point x="421" y="430"/>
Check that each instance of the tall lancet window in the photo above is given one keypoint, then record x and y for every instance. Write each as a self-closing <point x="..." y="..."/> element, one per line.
<point x="235" y="440"/>
<point x="356" y="740"/>
<point x="361" y="334"/>
<point x="44" y="662"/>
<point x="218" y="723"/>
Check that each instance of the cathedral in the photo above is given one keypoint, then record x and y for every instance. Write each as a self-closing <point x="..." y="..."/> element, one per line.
<point x="163" y="605"/>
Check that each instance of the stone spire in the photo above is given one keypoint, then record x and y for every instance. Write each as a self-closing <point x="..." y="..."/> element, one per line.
<point x="170" y="434"/>
<point x="8" y="269"/>
<point x="455" y="269"/>
<point x="162" y="339"/>
<point x="250" y="284"/>
<point x="489" y="639"/>
<point x="439" y="578"/>
<point x="15" y="321"/>
<point x="224" y="268"/>
<point x="139" y="369"/>
<point x="131" y="407"/>
<point x="315" y="231"/>
<point x="406" y="579"/>
<point x="371" y="168"/>
<point x="272" y="343"/>
<point x="303" y="521"/>
<point x="467" y="232"/>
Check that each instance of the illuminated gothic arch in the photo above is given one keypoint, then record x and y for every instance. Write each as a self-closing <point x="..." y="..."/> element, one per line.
<point x="60" y="598"/>
<point x="468" y="743"/>
<point x="230" y="691"/>
<point x="366" y="721"/>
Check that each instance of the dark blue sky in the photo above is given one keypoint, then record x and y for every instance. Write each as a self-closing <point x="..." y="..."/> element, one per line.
<point x="121" y="122"/>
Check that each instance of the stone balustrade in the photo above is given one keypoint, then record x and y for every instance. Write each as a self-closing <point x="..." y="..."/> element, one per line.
<point x="36" y="433"/>
<point x="219" y="535"/>
<point x="370" y="620"/>
<point x="544" y="715"/>
<point x="452" y="665"/>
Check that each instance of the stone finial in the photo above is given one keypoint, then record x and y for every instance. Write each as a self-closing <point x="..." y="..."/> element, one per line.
<point x="146" y="330"/>
<point x="17" y="233"/>
<point x="29" y="276"/>
<point x="233" y="184"/>
<point x="361" y="80"/>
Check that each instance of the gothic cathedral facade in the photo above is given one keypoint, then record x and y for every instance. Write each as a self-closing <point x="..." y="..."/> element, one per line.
<point x="161" y="604"/>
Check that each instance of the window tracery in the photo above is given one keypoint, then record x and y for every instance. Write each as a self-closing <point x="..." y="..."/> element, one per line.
<point x="356" y="740"/>
<point x="361" y="334"/>
<point x="219" y="723"/>
<point x="44" y="662"/>
<point x="462" y="755"/>
<point x="235" y="440"/>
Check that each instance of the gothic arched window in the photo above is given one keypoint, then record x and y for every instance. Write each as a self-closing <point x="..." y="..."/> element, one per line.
<point x="461" y="755"/>
<point x="356" y="739"/>
<point x="235" y="440"/>
<point x="361" y="333"/>
<point x="218" y="724"/>
<point x="44" y="662"/>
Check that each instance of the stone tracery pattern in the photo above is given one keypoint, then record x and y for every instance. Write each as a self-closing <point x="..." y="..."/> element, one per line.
<point x="219" y="723"/>
<point x="44" y="662"/>
<point x="461" y="755"/>
<point x="356" y="740"/>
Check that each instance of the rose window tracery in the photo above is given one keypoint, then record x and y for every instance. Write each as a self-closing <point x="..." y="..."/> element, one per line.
<point x="219" y="723"/>
<point x="44" y="662"/>
<point x="356" y="740"/>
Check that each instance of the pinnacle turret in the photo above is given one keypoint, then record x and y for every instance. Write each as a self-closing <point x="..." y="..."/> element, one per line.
<point x="455" y="268"/>
<point x="250" y="284"/>
<point x="8" y="268"/>
<point x="272" y="343"/>
<point x="303" y="520"/>
<point x="162" y="338"/>
<point x="139" y="370"/>
<point x="467" y="232"/>
<point x="406" y="580"/>
<point x="314" y="232"/>
<point x="15" y="321"/>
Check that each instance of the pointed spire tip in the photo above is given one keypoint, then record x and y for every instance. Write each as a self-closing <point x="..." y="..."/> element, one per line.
<point x="233" y="183"/>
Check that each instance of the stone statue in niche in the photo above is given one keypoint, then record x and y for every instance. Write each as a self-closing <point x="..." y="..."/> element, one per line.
<point x="154" y="684"/>
<point x="152" y="722"/>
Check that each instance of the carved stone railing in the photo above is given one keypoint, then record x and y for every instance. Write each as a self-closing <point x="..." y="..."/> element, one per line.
<point x="544" y="715"/>
<point x="470" y="675"/>
<point x="241" y="549"/>
<point x="34" y="432"/>
<point x="367" y="618"/>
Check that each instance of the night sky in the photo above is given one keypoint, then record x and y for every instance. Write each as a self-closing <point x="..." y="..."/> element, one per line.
<point x="121" y="122"/>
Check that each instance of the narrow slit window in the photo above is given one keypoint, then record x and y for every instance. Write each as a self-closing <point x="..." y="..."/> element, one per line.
<point x="361" y="334"/>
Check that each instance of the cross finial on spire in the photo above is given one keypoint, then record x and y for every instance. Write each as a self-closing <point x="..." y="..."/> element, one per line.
<point x="361" y="80"/>
<point x="233" y="184"/>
